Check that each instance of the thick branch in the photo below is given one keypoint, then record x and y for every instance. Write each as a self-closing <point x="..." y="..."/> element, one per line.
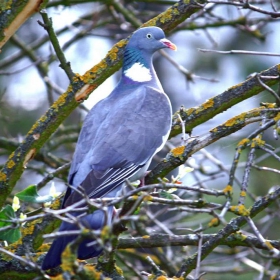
<point x="163" y="240"/>
<point x="13" y="15"/>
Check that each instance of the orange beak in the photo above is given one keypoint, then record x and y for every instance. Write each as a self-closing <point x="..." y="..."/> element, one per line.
<point x="169" y="44"/>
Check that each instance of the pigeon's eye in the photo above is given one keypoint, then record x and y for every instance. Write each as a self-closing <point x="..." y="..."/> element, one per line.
<point x="149" y="36"/>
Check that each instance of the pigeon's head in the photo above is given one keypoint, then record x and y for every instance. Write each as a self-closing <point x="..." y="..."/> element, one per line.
<point x="149" y="40"/>
<point x="137" y="65"/>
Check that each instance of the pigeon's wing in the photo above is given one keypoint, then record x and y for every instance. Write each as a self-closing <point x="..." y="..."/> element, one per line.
<point x="118" y="138"/>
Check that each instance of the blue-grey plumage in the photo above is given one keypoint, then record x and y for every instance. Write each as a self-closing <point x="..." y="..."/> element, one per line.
<point x="119" y="137"/>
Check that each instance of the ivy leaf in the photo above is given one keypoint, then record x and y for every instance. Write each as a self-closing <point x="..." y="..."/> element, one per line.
<point x="11" y="235"/>
<point x="30" y="195"/>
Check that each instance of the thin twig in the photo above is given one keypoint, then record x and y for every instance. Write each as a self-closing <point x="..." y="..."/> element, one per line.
<point x="274" y="252"/>
<point x="53" y="174"/>
<point x="269" y="89"/>
<point x="240" y="52"/>
<point x="53" y="38"/>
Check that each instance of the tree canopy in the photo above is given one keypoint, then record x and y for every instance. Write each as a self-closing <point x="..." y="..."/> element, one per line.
<point x="209" y="208"/>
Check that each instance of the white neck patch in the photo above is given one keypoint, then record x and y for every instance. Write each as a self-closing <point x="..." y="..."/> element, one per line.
<point x="138" y="73"/>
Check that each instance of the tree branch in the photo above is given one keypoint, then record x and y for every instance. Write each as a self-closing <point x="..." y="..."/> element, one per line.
<point x="232" y="227"/>
<point x="14" y="15"/>
<point x="193" y="116"/>
<point x="53" y="38"/>
<point x="222" y="102"/>
<point x="164" y="240"/>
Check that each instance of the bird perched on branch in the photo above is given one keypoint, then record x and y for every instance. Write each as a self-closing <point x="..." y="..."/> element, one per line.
<point x="119" y="137"/>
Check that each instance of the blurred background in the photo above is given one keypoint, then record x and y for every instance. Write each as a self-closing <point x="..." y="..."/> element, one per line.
<point x="31" y="79"/>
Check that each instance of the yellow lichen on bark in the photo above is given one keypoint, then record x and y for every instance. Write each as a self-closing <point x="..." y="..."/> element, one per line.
<point x="90" y="75"/>
<point x="30" y="227"/>
<point x="178" y="151"/>
<point x="208" y="104"/>
<point x="243" y="193"/>
<point x="60" y="101"/>
<point x="43" y="248"/>
<point x="92" y="272"/>
<point x="235" y="120"/>
<point x="214" y="222"/>
<point x="190" y="111"/>
<point x="240" y="210"/>
<point x="55" y="107"/>
<point x="257" y="142"/>
<point x="163" y="17"/>
<point x="277" y="118"/>
<point x="168" y="15"/>
<point x="113" y="53"/>
<point x="148" y="198"/>
<point x="3" y="176"/>
<point x="228" y="189"/>
<point x="239" y="236"/>
<point x="36" y="124"/>
<point x="76" y="78"/>
<point x="11" y="164"/>
<point x="243" y="142"/>
<point x="68" y="259"/>
<point x="270" y="105"/>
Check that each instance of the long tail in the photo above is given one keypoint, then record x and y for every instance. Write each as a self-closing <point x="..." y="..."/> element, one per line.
<point x="93" y="221"/>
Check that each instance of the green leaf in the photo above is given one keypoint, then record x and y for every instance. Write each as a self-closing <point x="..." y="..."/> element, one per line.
<point x="165" y="194"/>
<point x="11" y="235"/>
<point x="30" y="195"/>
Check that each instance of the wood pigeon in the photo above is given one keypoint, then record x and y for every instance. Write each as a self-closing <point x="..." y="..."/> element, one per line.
<point x="119" y="137"/>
